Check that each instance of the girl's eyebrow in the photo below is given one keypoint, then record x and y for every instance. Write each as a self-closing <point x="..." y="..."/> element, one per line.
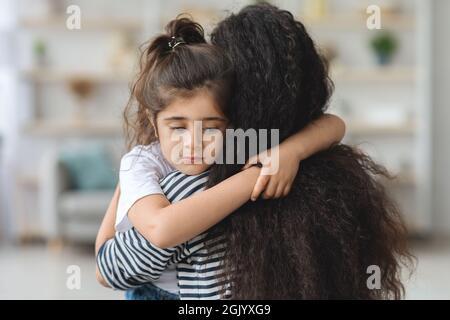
<point x="214" y="118"/>
<point x="174" y="118"/>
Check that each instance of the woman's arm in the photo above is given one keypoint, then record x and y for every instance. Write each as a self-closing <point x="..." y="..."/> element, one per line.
<point x="167" y="225"/>
<point x="106" y="230"/>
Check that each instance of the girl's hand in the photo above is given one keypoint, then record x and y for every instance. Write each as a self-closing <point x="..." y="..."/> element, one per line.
<point x="279" y="169"/>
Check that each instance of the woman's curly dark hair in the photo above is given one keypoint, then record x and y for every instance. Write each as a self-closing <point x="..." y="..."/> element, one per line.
<point x="317" y="242"/>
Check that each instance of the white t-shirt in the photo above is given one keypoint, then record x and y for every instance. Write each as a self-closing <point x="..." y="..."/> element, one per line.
<point x="141" y="169"/>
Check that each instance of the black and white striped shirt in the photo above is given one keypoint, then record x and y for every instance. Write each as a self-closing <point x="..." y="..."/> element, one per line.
<point x="129" y="260"/>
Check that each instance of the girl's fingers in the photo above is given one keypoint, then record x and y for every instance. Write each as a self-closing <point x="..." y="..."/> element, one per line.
<point x="286" y="190"/>
<point x="270" y="189"/>
<point x="279" y="192"/>
<point x="260" y="185"/>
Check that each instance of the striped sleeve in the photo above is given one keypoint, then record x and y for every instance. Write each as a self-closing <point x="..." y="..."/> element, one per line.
<point x="128" y="260"/>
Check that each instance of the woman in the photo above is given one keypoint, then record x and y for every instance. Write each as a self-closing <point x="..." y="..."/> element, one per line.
<point x="318" y="242"/>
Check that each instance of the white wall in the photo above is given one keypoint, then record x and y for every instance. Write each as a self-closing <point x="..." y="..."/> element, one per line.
<point x="8" y="130"/>
<point x="441" y="115"/>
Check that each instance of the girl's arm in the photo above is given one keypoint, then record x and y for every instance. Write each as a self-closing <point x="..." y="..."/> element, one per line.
<point x="129" y="260"/>
<point x="125" y="260"/>
<point x="116" y="256"/>
<point x="167" y="225"/>
<point x="107" y="229"/>
<point x="316" y="136"/>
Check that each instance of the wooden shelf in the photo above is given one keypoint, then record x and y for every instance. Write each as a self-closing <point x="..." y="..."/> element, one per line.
<point x="54" y="76"/>
<point x="355" y="21"/>
<point x="53" y="129"/>
<point x="87" y="23"/>
<point x="373" y="75"/>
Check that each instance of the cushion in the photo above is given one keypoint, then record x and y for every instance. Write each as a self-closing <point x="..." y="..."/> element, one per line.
<point x="89" y="168"/>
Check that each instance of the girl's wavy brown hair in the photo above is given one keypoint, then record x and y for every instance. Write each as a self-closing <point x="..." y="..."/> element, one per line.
<point x="167" y="72"/>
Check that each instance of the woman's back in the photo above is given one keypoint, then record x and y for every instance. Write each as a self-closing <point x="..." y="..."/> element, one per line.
<point x="337" y="220"/>
<point x="321" y="240"/>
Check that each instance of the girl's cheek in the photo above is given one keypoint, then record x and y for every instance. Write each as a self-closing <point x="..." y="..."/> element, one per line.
<point x="168" y="145"/>
<point x="211" y="150"/>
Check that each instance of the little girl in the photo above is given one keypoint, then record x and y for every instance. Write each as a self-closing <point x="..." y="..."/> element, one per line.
<point x="184" y="81"/>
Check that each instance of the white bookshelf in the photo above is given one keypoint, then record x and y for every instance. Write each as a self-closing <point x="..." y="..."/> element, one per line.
<point x="391" y="74"/>
<point x="49" y="108"/>
<point x="55" y="23"/>
<point x="412" y="186"/>
<point x="353" y="21"/>
<point x="73" y="129"/>
<point x="38" y="79"/>
<point x="48" y="76"/>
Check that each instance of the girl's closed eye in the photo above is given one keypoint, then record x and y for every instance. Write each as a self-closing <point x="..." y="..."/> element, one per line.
<point x="210" y="130"/>
<point x="178" y="129"/>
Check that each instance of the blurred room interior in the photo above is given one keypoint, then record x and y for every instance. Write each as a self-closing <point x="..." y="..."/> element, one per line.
<point x="62" y="92"/>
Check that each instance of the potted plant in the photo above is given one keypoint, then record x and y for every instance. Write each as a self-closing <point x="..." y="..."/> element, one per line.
<point x="40" y="53"/>
<point x="384" y="45"/>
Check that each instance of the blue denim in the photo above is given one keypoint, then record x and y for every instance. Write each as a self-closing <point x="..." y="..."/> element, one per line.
<point x="149" y="291"/>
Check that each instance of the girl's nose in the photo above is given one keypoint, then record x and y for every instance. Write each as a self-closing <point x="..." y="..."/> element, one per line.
<point x="194" y="144"/>
<point x="197" y="139"/>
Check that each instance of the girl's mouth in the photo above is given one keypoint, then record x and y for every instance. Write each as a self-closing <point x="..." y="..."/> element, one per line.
<point x="192" y="160"/>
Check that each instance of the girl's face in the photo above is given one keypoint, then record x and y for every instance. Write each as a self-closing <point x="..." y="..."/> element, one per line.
<point x="190" y="131"/>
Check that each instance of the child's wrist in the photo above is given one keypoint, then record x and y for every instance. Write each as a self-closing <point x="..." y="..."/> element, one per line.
<point x="301" y="153"/>
<point x="298" y="150"/>
<point x="253" y="171"/>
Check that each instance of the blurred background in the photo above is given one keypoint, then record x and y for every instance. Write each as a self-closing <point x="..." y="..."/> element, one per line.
<point x="63" y="87"/>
